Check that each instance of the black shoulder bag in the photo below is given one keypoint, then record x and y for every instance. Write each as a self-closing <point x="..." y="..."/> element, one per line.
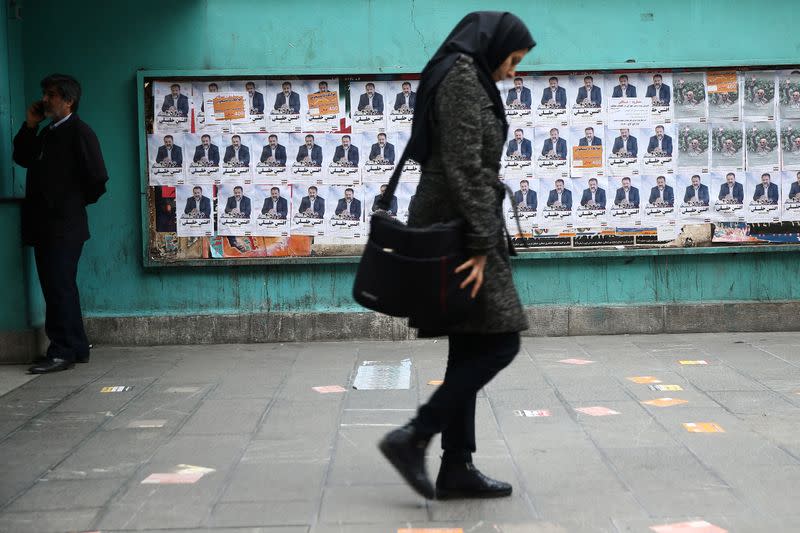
<point x="410" y="272"/>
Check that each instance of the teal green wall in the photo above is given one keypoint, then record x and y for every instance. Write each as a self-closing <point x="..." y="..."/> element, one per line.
<point x="103" y="43"/>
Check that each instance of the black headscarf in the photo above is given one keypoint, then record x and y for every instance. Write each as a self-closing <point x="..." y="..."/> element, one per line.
<point x="486" y="36"/>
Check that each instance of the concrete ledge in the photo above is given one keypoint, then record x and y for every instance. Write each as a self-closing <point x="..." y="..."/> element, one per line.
<point x="21" y="346"/>
<point x="545" y="322"/>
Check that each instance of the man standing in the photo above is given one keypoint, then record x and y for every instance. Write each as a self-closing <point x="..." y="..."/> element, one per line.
<point x="553" y="95"/>
<point x="731" y="190"/>
<point x="312" y="205"/>
<point x="287" y="100"/>
<point x="560" y="198"/>
<point x="519" y="146"/>
<point x="309" y="153"/>
<point x="198" y="205"/>
<point x="554" y="146"/>
<point x="371" y="100"/>
<point x="66" y="172"/>
<point x="519" y="96"/>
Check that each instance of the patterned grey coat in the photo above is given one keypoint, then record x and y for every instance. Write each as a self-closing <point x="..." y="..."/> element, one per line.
<point x="460" y="180"/>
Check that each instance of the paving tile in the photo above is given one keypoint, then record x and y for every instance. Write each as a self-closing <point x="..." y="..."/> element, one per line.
<point x="67" y="495"/>
<point x="354" y="505"/>
<point x="48" y="521"/>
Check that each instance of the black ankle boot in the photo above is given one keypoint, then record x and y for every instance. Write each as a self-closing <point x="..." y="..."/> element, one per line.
<point x="405" y="449"/>
<point x="458" y="478"/>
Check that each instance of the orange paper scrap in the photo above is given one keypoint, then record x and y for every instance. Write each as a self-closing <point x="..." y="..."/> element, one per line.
<point x="703" y="427"/>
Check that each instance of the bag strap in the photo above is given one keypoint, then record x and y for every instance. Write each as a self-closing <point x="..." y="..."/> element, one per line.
<point x="384" y="202"/>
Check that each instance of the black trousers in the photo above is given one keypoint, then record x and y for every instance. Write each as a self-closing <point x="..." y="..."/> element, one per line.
<point x="57" y="265"/>
<point x="472" y="362"/>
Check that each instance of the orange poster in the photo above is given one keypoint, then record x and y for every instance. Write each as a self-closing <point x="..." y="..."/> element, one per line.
<point x="722" y="82"/>
<point x="324" y="103"/>
<point x="229" y="107"/>
<point x="587" y="156"/>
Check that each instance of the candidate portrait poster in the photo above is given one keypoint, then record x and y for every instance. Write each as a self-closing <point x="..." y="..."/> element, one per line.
<point x="552" y="150"/>
<point x="690" y="96"/>
<point x="628" y="107"/>
<point x="310" y="202"/>
<point x="402" y="95"/>
<point x="623" y="149"/>
<point x="518" y="152"/>
<point x="271" y="207"/>
<point x="659" y="150"/>
<point x="343" y="159"/>
<point x="559" y="200"/>
<point x="790" y="185"/>
<point x="202" y="158"/>
<point x="194" y="204"/>
<point x="586" y="99"/>
<point x="380" y="154"/>
<point x="549" y="99"/>
<point x="226" y="109"/>
<point x="658" y="194"/>
<point x="272" y="150"/>
<point x="345" y="217"/>
<point x="763" y="196"/>
<point x="368" y="105"/>
<point x="165" y="155"/>
<point x="660" y="91"/>
<point x="591" y="192"/>
<point x="517" y="94"/>
<point x="625" y="201"/>
<point x="728" y="196"/>
<point x="587" y="149"/>
<point x="237" y="155"/>
<point x="200" y="90"/>
<point x="172" y="104"/>
<point x="308" y="156"/>
<point x="255" y="91"/>
<point x="525" y="193"/>
<point x="693" y="195"/>
<point x="284" y="106"/>
<point x="324" y="106"/>
<point x="235" y="209"/>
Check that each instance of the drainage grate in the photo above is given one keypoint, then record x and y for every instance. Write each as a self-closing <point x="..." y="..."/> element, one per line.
<point x="373" y="375"/>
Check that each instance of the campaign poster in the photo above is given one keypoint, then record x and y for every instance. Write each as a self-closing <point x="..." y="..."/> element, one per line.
<point x="552" y="150"/>
<point x="659" y="152"/>
<point x="402" y="95"/>
<point x="272" y="151"/>
<point x="790" y="183"/>
<point x="660" y="93"/>
<point x="727" y="196"/>
<point x="199" y="91"/>
<point x="517" y="97"/>
<point x="236" y="157"/>
<point x="727" y="146"/>
<point x="372" y="193"/>
<point x="693" y="144"/>
<point x="628" y="107"/>
<point x="345" y="215"/>
<point x="789" y="94"/>
<point x="723" y="95"/>
<point x="694" y="197"/>
<point x="165" y="158"/>
<point x="203" y="157"/>
<point x="690" y="96"/>
<point x="343" y="159"/>
<point x="308" y="156"/>
<point x="255" y="91"/>
<point x="790" y="144"/>
<point x="172" y="102"/>
<point x="368" y="105"/>
<point x="518" y="152"/>
<point x="758" y="95"/>
<point x="308" y="207"/>
<point x="235" y="209"/>
<point x="763" y="196"/>
<point x="761" y="140"/>
<point x="271" y="207"/>
<point x="194" y="203"/>
<point x="379" y="155"/>
<point x="526" y="195"/>
<point x="558" y="195"/>
<point x="406" y="190"/>
<point x="659" y="208"/>
<point x="624" y="205"/>
<point x="587" y="149"/>
<point x="623" y="150"/>
<point x="550" y="101"/>
<point x="226" y="109"/>
<point x="592" y="195"/>
<point x="284" y="106"/>
<point x="324" y="105"/>
<point x="586" y="100"/>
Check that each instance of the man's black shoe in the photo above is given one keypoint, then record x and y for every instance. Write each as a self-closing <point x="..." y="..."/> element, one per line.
<point x="463" y="480"/>
<point x="406" y="451"/>
<point x="51" y="365"/>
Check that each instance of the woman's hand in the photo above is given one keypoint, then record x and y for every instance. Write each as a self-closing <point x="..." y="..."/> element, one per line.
<point x="477" y="264"/>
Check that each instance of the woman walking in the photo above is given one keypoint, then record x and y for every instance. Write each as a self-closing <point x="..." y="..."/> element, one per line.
<point x="458" y="135"/>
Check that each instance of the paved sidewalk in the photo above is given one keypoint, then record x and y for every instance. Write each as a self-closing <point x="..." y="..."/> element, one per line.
<point x="251" y="447"/>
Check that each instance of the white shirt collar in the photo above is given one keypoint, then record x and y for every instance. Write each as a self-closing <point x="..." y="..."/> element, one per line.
<point x="60" y="122"/>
